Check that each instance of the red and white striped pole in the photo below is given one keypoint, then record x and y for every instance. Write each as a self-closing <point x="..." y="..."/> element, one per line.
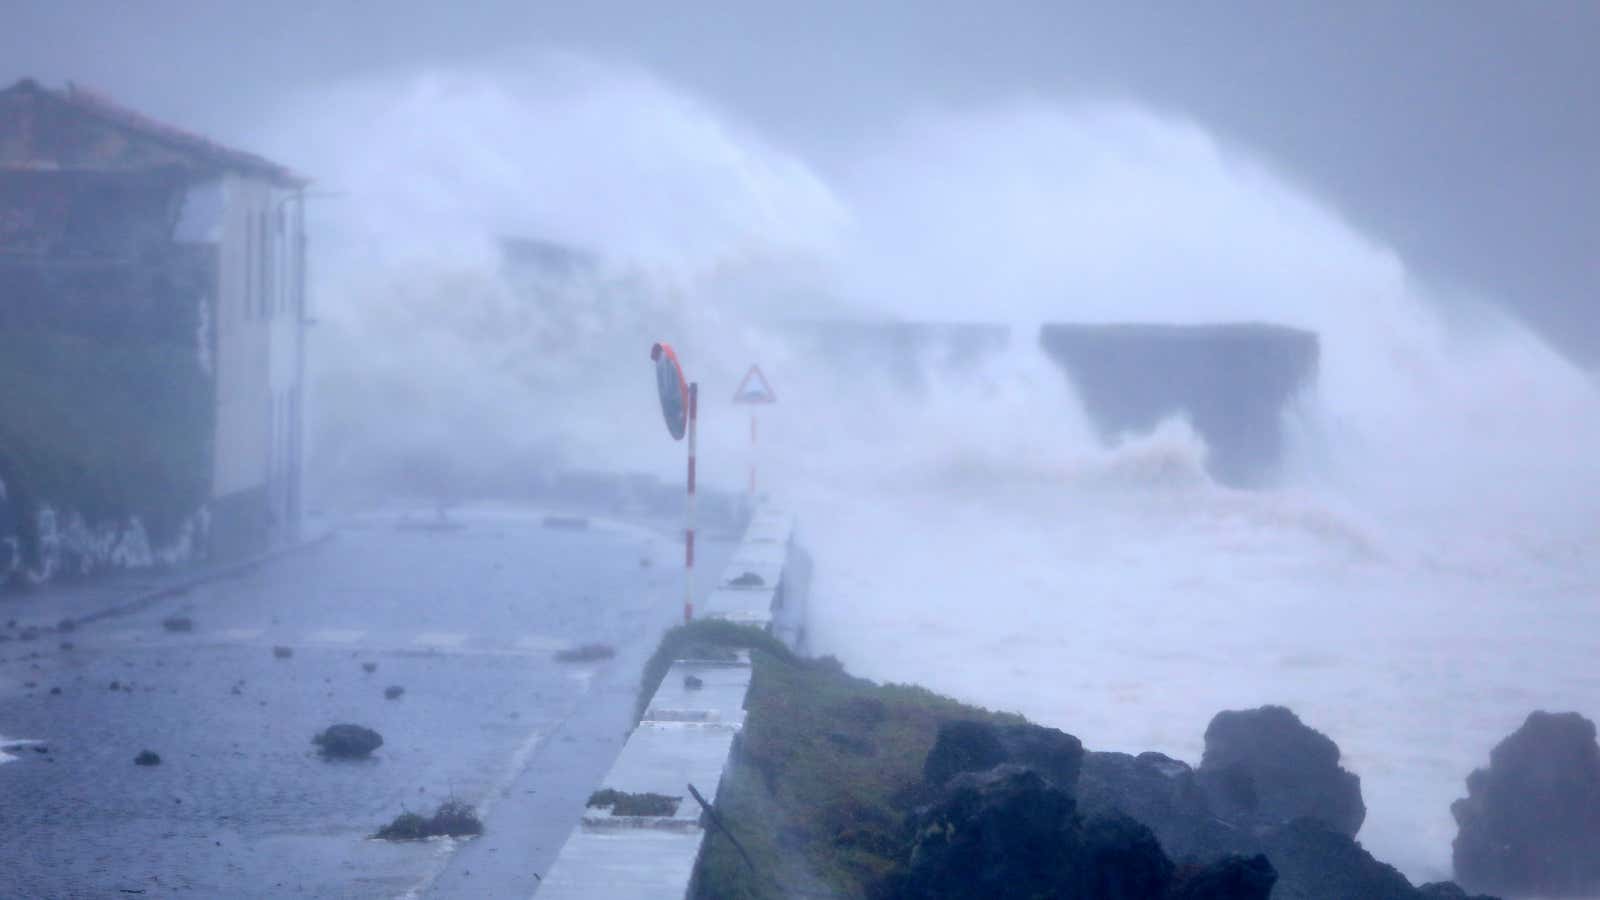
<point x="688" y="532"/>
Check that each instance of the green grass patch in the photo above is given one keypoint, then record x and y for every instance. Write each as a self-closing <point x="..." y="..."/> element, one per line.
<point x="109" y="430"/>
<point x="712" y="639"/>
<point x="824" y="773"/>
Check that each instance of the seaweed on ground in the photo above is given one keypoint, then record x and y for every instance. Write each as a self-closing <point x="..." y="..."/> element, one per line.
<point x="453" y="818"/>
<point x="623" y="803"/>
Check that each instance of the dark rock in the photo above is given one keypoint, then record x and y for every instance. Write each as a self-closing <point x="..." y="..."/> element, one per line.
<point x="369" y="667"/>
<point x="348" y="741"/>
<point x="748" y="579"/>
<point x="692" y="683"/>
<point x="1005" y="832"/>
<point x="1228" y="878"/>
<point x="851" y="744"/>
<point x="1314" y="862"/>
<point x="55" y="690"/>
<point x="1530" y="823"/>
<point x="180" y="624"/>
<point x="393" y="692"/>
<point x="147" y="758"/>
<point x="67" y="645"/>
<point x="1264" y="767"/>
<point x="962" y="746"/>
<point x="1163" y="793"/>
<point x="1119" y="859"/>
<point x="115" y="686"/>
<point x="66" y="625"/>
<point x="1448" y="890"/>
<point x="29" y="633"/>
<point x="282" y="652"/>
<point x="966" y="746"/>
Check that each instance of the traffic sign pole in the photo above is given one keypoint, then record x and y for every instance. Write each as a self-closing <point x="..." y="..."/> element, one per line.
<point x="688" y="531"/>
<point x="754" y="390"/>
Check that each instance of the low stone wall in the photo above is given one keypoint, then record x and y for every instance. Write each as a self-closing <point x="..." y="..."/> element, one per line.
<point x="686" y="734"/>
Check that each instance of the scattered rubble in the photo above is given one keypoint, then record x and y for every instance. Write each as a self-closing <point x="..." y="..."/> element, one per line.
<point x="66" y="625"/>
<point x="393" y="692"/>
<point x="147" y="758"/>
<point x="346" y="741"/>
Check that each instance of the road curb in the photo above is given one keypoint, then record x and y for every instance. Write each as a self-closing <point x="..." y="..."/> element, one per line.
<point x="221" y="572"/>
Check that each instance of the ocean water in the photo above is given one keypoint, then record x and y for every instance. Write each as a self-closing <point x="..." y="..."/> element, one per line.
<point x="1123" y="596"/>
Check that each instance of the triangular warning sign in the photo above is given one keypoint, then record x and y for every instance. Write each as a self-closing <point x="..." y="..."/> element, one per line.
<point x="753" y="388"/>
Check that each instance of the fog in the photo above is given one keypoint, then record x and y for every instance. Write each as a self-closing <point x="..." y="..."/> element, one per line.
<point x="1415" y="582"/>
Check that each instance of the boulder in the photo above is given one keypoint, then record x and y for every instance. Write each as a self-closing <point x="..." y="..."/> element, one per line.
<point x="1164" y="794"/>
<point x="1118" y="859"/>
<point x="1530" y="823"/>
<point x="1229" y="878"/>
<point x="1264" y="767"/>
<point x="1010" y="832"/>
<point x="1005" y="832"/>
<point x="1316" y="862"/>
<point x="348" y="741"/>
<point x="967" y="746"/>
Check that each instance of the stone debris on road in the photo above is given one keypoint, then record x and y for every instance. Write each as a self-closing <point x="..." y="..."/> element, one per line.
<point x="346" y="741"/>
<point x="178" y="624"/>
<point x="586" y="653"/>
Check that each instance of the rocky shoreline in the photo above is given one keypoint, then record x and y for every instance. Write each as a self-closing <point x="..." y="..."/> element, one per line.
<point x="888" y="792"/>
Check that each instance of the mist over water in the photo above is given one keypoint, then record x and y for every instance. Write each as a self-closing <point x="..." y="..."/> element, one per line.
<point x="1419" y="580"/>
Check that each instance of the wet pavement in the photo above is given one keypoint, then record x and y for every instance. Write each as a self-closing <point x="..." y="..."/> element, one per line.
<point x="466" y="617"/>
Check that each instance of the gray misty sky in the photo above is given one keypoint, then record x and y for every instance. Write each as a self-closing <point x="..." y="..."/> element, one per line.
<point x="1464" y="134"/>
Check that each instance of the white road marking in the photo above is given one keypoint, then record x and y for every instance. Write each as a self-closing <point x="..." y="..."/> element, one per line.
<point x="541" y="643"/>
<point x="336" y="636"/>
<point x="451" y="639"/>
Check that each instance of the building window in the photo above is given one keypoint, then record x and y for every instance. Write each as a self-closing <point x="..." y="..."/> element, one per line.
<point x="249" y="280"/>
<point x="265" y="233"/>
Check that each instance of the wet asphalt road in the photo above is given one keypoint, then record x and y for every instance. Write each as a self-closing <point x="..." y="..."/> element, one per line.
<point x="466" y="619"/>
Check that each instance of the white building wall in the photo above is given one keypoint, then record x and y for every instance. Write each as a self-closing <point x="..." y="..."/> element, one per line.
<point x="258" y="334"/>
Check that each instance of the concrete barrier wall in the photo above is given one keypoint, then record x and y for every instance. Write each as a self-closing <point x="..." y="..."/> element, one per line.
<point x="686" y="734"/>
